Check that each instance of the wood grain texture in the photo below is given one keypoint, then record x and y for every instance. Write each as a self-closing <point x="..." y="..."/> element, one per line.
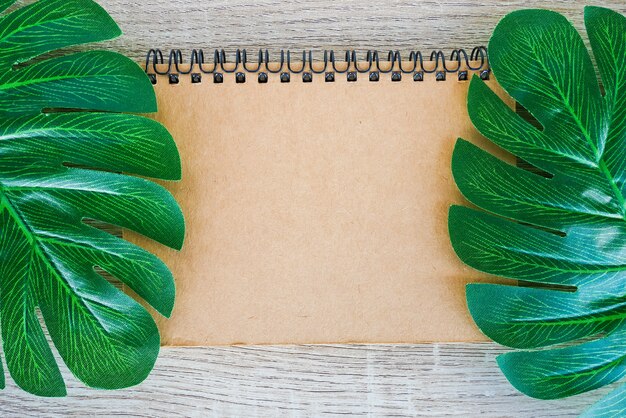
<point x="405" y="380"/>
<point x="375" y="380"/>
<point x="318" y="24"/>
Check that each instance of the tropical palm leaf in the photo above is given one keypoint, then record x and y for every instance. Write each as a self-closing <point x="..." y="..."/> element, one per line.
<point x="563" y="233"/>
<point x="56" y="116"/>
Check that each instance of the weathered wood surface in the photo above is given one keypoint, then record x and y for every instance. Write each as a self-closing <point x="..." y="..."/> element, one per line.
<point x="319" y="24"/>
<point x="376" y="380"/>
<point x="433" y="380"/>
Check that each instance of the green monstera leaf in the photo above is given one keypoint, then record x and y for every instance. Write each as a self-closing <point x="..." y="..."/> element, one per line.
<point x="562" y="234"/>
<point x="62" y="152"/>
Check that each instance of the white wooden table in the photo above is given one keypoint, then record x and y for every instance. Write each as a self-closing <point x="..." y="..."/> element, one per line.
<point x="432" y="380"/>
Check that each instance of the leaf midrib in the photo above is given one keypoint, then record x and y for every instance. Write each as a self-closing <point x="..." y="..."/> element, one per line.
<point x="27" y="132"/>
<point x="579" y="319"/>
<point x="87" y="246"/>
<point x="551" y="206"/>
<point x="6" y="86"/>
<point x="593" y="370"/>
<point x="600" y="157"/>
<point x="39" y="23"/>
<point x="619" y="268"/>
<point x="31" y="237"/>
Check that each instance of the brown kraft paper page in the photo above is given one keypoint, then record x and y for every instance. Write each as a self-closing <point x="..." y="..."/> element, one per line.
<point x="316" y="212"/>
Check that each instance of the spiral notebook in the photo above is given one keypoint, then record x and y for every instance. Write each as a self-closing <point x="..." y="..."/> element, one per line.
<point x="315" y="192"/>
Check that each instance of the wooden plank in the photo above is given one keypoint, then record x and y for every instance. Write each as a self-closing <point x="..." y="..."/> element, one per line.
<point x="378" y="380"/>
<point x="318" y="24"/>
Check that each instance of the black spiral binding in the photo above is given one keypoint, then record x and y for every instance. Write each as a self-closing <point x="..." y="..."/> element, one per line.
<point x="459" y="63"/>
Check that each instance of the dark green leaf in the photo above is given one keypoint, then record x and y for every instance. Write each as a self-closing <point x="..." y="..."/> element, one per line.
<point x="556" y="373"/>
<point x="564" y="234"/>
<point x="607" y="34"/>
<point x="95" y="80"/>
<point x="29" y="358"/>
<point x="48" y="25"/>
<point x="526" y="317"/>
<point x="108" y="141"/>
<point x="58" y="168"/>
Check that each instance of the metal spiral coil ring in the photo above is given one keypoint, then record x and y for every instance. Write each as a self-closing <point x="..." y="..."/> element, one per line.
<point x="352" y="64"/>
